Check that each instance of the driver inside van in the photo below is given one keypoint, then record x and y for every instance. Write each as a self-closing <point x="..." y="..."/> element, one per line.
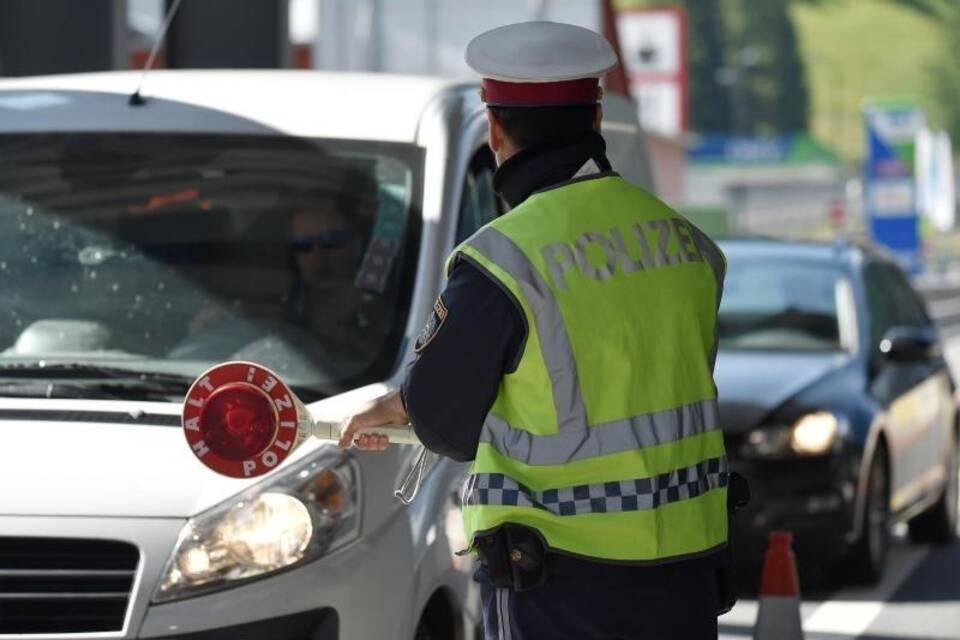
<point x="324" y="316"/>
<point x="329" y="234"/>
<point x="327" y="246"/>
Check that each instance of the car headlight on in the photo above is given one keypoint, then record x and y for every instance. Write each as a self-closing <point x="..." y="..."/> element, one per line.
<point x="813" y="434"/>
<point x="293" y="518"/>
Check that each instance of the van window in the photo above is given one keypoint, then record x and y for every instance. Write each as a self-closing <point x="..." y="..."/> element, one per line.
<point x="177" y="252"/>
<point x="479" y="203"/>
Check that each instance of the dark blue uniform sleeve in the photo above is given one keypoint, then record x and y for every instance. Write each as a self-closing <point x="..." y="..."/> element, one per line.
<point x="474" y="337"/>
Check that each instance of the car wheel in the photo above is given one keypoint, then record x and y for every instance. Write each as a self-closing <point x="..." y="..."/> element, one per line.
<point x="869" y="553"/>
<point x="939" y="523"/>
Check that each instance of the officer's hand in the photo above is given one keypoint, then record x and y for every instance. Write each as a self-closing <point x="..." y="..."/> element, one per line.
<point x="361" y="429"/>
<point x="371" y="442"/>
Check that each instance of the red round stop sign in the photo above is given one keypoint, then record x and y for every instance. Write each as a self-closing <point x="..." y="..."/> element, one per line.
<point x="240" y="419"/>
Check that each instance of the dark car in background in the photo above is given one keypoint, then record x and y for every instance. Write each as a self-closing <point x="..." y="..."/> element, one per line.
<point x="836" y="401"/>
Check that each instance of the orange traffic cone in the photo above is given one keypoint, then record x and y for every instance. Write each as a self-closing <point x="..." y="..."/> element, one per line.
<point x="779" y="614"/>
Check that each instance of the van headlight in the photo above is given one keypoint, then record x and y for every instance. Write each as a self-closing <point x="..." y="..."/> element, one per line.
<point x="295" y="517"/>
<point x="812" y="435"/>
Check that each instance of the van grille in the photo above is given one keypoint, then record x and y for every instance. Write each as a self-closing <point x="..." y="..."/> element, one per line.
<point x="58" y="585"/>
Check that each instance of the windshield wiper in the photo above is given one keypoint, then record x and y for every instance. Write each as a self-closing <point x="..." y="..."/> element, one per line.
<point x="86" y="380"/>
<point x="65" y="390"/>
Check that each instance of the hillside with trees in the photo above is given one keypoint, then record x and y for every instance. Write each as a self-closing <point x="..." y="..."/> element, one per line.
<point x="779" y="66"/>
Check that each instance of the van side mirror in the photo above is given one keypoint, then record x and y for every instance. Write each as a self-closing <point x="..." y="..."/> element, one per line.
<point x="910" y="344"/>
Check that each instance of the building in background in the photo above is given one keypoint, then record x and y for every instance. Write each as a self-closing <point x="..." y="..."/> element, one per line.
<point x="421" y="36"/>
<point x="779" y="185"/>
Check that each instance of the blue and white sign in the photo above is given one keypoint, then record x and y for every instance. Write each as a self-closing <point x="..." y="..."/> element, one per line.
<point x="891" y="188"/>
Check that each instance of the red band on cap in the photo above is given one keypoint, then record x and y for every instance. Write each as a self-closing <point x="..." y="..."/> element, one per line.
<point x="497" y="93"/>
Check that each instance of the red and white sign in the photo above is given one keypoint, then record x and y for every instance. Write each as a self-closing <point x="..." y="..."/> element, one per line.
<point x="653" y="44"/>
<point x="241" y="420"/>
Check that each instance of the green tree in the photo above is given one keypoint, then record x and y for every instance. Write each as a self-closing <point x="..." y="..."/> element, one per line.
<point x="946" y="72"/>
<point x="746" y="72"/>
<point x="768" y="76"/>
<point x="710" y="104"/>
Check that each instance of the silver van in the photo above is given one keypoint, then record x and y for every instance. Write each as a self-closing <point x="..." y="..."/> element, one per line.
<point x="295" y="219"/>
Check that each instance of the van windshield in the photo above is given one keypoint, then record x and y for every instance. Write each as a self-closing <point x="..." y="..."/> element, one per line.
<point x="172" y="253"/>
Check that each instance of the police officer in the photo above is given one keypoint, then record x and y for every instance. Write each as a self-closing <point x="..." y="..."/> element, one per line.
<point x="570" y="356"/>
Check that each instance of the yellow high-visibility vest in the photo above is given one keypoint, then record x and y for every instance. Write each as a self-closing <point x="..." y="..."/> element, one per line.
<point x="606" y="437"/>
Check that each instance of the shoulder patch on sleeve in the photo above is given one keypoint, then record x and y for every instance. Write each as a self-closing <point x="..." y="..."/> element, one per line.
<point x="430" y="330"/>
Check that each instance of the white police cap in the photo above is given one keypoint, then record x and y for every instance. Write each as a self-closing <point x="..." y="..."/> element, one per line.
<point x="540" y="64"/>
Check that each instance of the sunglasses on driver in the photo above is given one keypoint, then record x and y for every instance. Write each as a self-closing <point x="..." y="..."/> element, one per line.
<point x="325" y="240"/>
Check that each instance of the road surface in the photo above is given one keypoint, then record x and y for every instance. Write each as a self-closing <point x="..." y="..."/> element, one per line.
<point x="918" y="599"/>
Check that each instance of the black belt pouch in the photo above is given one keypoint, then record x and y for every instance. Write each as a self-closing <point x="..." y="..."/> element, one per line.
<point x="513" y="556"/>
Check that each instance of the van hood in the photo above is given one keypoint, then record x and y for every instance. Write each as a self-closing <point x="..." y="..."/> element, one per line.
<point x="120" y="459"/>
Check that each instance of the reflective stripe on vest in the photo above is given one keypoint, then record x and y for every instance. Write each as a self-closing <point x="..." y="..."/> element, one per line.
<point x="554" y="343"/>
<point x="634" y="433"/>
<point x="607" y="497"/>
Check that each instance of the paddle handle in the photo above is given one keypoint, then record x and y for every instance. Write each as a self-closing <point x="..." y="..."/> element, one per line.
<point x="398" y="434"/>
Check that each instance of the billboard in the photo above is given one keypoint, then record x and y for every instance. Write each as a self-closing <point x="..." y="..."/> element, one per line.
<point x="890" y="183"/>
<point x="653" y="44"/>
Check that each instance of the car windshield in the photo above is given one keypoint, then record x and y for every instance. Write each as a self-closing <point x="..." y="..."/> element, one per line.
<point x="776" y="304"/>
<point x="171" y="253"/>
